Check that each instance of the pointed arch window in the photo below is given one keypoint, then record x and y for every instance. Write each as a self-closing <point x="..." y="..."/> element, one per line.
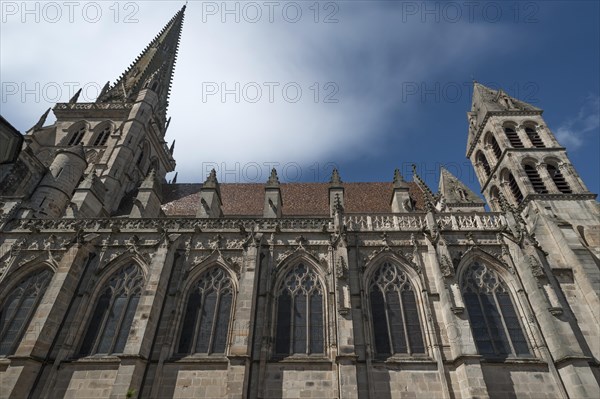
<point x="299" y="313"/>
<point x="484" y="163"/>
<point x="207" y="313"/>
<point x="559" y="179"/>
<point x="536" y="181"/>
<point x="102" y="137"/>
<point x="514" y="189"/>
<point x="491" y="140"/>
<point x="77" y="136"/>
<point x="534" y="137"/>
<point x="495" y="147"/>
<point x="396" y="325"/>
<point x="513" y="137"/>
<point x="18" y="308"/>
<point x="495" y="324"/>
<point x="111" y="320"/>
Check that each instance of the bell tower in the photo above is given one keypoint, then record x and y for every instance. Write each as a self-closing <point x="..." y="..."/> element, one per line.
<point x="521" y="167"/>
<point x="515" y="154"/>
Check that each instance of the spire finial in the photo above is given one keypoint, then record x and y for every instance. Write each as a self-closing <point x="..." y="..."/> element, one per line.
<point x="335" y="180"/>
<point x="273" y="179"/>
<point x="399" y="181"/>
<point x="211" y="178"/>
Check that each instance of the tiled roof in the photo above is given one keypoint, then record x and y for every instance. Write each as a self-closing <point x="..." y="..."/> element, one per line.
<point x="299" y="199"/>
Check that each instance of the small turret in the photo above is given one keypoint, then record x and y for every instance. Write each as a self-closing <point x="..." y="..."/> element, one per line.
<point x="273" y="200"/>
<point x="56" y="188"/>
<point x="210" y="198"/>
<point x="401" y="201"/>
<point x="148" y="200"/>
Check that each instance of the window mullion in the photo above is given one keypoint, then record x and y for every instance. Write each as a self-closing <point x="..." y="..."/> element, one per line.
<point x="487" y="324"/>
<point x="292" y="324"/>
<point x="387" y="321"/>
<point x="508" y="337"/>
<point x="119" y="324"/>
<point x="213" y="327"/>
<point x="308" y="320"/>
<point x="402" y="310"/>
<point x="104" y="321"/>
<point x="197" y="323"/>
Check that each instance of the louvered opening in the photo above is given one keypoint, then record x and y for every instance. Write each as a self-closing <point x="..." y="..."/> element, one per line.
<point x="484" y="163"/>
<point x="514" y="189"/>
<point x="496" y="148"/>
<point x="559" y="180"/>
<point x="534" y="137"/>
<point x="513" y="137"/>
<point x="535" y="179"/>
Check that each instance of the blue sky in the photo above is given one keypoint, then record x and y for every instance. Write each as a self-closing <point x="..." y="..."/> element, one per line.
<point x="383" y="84"/>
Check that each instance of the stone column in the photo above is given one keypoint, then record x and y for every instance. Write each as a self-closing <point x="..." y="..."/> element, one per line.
<point x="462" y="343"/>
<point x="147" y="316"/>
<point x="520" y="129"/>
<point x="242" y="331"/>
<point x="37" y="343"/>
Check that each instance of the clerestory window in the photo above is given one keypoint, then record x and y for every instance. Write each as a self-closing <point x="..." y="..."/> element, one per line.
<point x="396" y="325"/>
<point x="495" y="324"/>
<point x="109" y="325"/>
<point x="299" y="313"/>
<point x="18" y="308"/>
<point x="206" y="320"/>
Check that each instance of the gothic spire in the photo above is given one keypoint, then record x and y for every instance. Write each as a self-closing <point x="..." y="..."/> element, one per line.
<point x="152" y="69"/>
<point x="487" y="102"/>
<point x="455" y="191"/>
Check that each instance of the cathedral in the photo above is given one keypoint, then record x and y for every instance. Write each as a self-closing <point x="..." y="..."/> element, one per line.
<point x="117" y="284"/>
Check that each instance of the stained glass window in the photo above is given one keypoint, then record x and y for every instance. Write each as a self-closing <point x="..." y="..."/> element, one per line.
<point x="300" y="313"/>
<point x="396" y="323"/>
<point x="495" y="324"/>
<point x="206" y="321"/>
<point x="111" y="320"/>
<point x="18" y="308"/>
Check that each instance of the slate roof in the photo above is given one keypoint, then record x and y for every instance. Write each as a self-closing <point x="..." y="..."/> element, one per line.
<point x="299" y="199"/>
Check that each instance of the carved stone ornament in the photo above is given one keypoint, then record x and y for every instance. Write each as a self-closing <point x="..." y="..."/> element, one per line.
<point x="446" y="266"/>
<point x="341" y="271"/>
<point x="536" y="266"/>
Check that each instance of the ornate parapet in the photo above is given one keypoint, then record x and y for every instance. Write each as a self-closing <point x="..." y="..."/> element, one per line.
<point x="170" y="224"/>
<point x="385" y="222"/>
<point x="470" y="221"/>
<point x="456" y="221"/>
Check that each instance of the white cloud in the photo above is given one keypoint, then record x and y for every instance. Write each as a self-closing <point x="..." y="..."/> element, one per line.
<point x="368" y="55"/>
<point x="572" y="132"/>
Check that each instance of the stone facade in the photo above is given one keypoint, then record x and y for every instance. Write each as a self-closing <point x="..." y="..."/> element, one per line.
<point x="413" y="294"/>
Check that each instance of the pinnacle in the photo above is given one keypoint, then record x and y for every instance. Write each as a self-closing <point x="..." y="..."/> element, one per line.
<point x="335" y="180"/>
<point x="273" y="179"/>
<point x="399" y="181"/>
